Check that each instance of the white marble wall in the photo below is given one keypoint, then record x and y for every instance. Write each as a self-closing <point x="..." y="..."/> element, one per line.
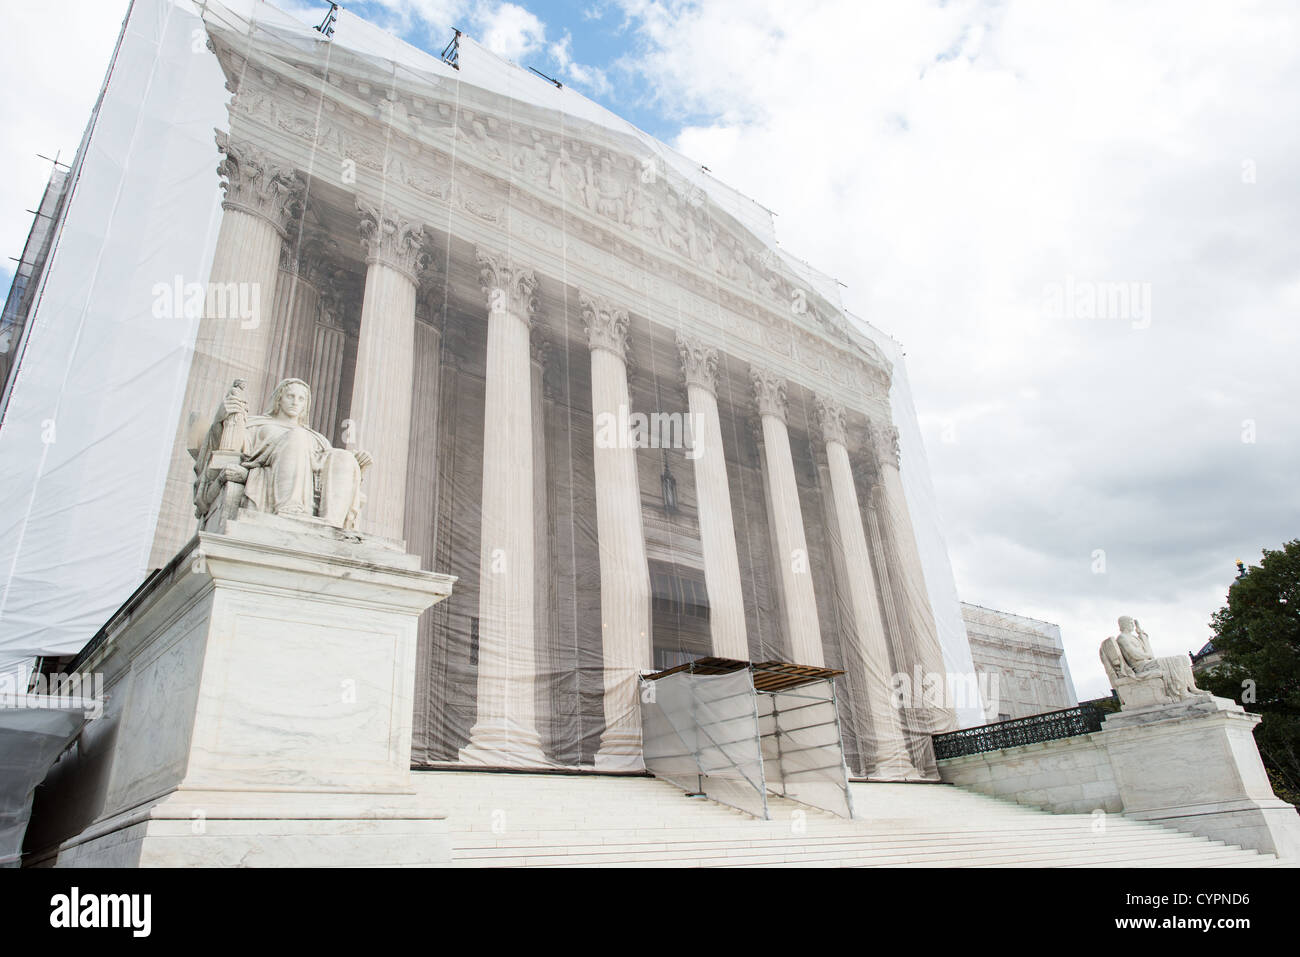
<point x="1027" y="658"/>
<point x="1191" y="765"/>
<point x="1069" y="776"/>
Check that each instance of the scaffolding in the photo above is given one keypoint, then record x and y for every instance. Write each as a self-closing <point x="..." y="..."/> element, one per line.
<point x="737" y="731"/>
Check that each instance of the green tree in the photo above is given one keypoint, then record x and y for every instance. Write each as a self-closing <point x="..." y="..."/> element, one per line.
<point x="1258" y="634"/>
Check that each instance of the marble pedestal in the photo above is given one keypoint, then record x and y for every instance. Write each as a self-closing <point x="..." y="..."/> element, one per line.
<point x="1194" y="766"/>
<point x="261" y="691"/>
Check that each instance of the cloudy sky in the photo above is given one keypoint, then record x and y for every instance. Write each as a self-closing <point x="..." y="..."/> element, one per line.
<point x="1081" y="220"/>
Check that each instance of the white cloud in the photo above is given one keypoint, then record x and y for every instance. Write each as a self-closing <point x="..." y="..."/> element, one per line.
<point x="559" y="51"/>
<point x="417" y="20"/>
<point x="509" y="30"/>
<point x="589" y="78"/>
<point x="52" y="65"/>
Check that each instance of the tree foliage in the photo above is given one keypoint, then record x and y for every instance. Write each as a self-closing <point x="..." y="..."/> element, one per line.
<point x="1258" y="634"/>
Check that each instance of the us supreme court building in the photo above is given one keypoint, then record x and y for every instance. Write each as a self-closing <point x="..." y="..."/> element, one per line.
<point x="594" y="388"/>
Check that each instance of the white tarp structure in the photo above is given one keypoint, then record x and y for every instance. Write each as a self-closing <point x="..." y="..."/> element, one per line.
<point x="85" y="442"/>
<point x="34" y="731"/>
<point x="710" y="728"/>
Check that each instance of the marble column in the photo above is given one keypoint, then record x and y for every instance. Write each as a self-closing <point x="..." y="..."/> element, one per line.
<point x="717" y="531"/>
<point x="338" y="300"/>
<point x="505" y="732"/>
<point x="421" y="508"/>
<point x="303" y="266"/>
<point x="890" y="759"/>
<point x="262" y="202"/>
<point x="798" y="600"/>
<point x="916" y="719"/>
<point x="624" y="571"/>
<point x="380" y="415"/>
<point x="906" y="574"/>
<point x="546" y="673"/>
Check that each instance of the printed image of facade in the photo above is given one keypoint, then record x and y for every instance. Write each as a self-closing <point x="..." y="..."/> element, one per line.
<point x="594" y="389"/>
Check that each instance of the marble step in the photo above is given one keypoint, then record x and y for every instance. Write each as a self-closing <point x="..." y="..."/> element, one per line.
<point x="1079" y="852"/>
<point x="595" y="821"/>
<point x="850" y="857"/>
<point x="702" y="840"/>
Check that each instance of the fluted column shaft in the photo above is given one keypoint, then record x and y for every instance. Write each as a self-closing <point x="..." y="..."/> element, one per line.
<point x="235" y="333"/>
<point x="296" y="305"/>
<point x="505" y="732"/>
<point x="891" y="758"/>
<point x="717" y="530"/>
<point x="542" y="551"/>
<point x="624" y="571"/>
<point x="380" y="416"/>
<point x="908" y="577"/>
<point x="326" y="364"/>
<point x="800" y="603"/>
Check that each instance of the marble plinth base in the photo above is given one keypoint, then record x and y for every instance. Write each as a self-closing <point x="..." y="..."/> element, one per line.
<point x="192" y="829"/>
<point x="262" y="688"/>
<point x="1194" y="766"/>
<point x="620" y="751"/>
<point x="504" y="745"/>
<point x="898" y="771"/>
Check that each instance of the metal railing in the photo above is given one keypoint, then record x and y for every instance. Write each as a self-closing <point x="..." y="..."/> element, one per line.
<point x="1050" y="726"/>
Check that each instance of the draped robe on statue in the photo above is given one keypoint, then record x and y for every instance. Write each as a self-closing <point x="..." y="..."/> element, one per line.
<point x="293" y="470"/>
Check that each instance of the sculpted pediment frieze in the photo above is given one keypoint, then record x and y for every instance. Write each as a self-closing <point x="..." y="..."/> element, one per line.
<point x="595" y="181"/>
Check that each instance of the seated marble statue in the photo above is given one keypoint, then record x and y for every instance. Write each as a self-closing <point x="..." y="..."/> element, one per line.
<point x="276" y="463"/>
<point x="1138" y="676"/>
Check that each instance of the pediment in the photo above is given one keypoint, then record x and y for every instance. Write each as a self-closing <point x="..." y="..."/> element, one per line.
<point x="617" y="186"/>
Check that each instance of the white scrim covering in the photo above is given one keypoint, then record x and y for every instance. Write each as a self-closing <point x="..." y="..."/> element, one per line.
<point x="101" y="378"/>
<point x="927" y="524"/>
<point x="718" y="735"/>
<point x="87" y="437"/>
<point x="34" y="731"/>
<point x="701" y="733"/>
<point x="803" y="758"/>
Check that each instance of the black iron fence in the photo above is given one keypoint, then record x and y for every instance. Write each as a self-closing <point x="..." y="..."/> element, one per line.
<point x="1050" y="726"/>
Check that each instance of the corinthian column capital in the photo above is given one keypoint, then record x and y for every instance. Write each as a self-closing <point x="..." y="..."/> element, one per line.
<point x="509" y="287"/>
<point x="391" y="239"/>
<point x="606" y="324"/>
<point x="830" y="416"/>
<point x="255" y="185"/>
<point x="699" y="363"/>
<point x="769" y="392"/>
<point x="884" y="442"/>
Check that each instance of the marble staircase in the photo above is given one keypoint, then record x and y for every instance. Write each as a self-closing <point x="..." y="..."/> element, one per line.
<point x="557" y="820"/>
